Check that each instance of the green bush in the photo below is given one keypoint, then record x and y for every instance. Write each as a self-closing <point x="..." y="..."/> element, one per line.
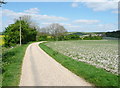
<point x="71" y="37"/>
<point x="11" y="65"/>
<point x="92" y="38"/>
<point x="12" y="36"/>
<point x="115" y="34"/>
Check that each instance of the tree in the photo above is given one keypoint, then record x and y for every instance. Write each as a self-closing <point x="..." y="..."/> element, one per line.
<point x="44" y="31"/>
<point x="11" y="33"/>
<point x="72" y="37"/>
<point x="2" y="2"/>
<point x="115" y="34"/>
<point x="56" y="30"/>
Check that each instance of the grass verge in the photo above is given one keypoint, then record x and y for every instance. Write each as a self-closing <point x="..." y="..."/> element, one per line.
<point x="97" y="76"/>
<point x="11" y="65"/>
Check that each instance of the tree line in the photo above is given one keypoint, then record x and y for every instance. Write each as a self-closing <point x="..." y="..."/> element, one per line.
<point x="30" y="31"/>
<point x="115" y="34"/>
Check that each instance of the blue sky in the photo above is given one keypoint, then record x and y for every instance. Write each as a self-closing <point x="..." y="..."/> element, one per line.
<point x="74" y="16"/>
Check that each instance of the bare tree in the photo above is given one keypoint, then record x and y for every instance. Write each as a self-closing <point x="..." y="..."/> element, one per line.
<point x="56" y="30"/>
<point x="2" y="2"/>
<point x="44" y="30"/>
<point x="29" y="21"/>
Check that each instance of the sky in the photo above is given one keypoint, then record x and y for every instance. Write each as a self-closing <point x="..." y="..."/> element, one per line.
<point x="75" y="16"/>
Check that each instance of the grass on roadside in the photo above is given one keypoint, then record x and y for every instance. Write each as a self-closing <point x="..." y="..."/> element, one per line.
<point x="97" y="76"/>
<point x="11" y="65"/>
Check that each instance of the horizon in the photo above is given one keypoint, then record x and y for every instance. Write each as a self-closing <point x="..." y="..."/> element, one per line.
<point x="74" y="16"/>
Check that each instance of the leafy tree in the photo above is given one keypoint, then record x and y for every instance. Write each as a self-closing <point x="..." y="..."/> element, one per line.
<point x="92" y="38"/>
<point x="41" y="36"/>
<point x="12" y="33"/>
<point x="71" y="37"/>
<point x="115" y="34"/>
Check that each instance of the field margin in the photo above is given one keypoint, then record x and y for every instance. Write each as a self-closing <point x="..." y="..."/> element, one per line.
<point x="96" y="76"/>
<point x="12" y="60"/>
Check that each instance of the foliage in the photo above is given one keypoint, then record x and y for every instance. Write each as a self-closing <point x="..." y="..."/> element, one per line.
<point x="41" y="36"/>
<point x="92" y="38"/>
<point x="115" y="34"/>
<point x="71" y="37"/>
<point x="47" y="37"/>
<point x="44" y="37"/>
<point x="12" y="33"/>
<point x="1" y="40"/>
<point x="11" y="65"/>
<point x="97" y="76"/>
<point x="59" y="33"/>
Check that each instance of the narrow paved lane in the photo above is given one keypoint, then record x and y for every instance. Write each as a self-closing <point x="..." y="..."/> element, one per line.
<point x="39" y="69"/>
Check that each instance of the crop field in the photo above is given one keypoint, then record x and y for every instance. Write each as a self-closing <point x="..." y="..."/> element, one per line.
<point x="100" y="53"/>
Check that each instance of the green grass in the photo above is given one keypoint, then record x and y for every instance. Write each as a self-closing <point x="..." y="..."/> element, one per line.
<point x="12" y="62"/>
<point x="96" y="76"/>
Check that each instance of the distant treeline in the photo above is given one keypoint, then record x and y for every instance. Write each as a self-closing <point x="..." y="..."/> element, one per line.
<point x="44" y="37"/>
<point x="115" y="34"/>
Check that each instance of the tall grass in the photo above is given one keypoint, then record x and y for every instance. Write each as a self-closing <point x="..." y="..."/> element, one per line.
<point x="11" y="65"/>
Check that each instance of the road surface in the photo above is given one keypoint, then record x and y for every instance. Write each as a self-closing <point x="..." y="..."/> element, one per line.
<point x="39" y="69"/>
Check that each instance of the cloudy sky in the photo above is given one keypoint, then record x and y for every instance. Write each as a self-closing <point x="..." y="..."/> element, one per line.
<point x="74" y="16"/>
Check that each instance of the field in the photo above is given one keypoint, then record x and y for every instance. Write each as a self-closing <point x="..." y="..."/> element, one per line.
<point x="100" y="53"/>
<point x="97" y="76"/>
<point x="1" y="40"/>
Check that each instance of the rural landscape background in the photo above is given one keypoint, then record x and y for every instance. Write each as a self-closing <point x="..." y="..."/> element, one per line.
<point x="81" y="36"/>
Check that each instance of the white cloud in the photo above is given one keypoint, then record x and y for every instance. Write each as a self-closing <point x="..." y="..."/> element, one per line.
<point x="102" y="6"/>
<point x="8" y="22"/>
<point x="116" y="11"/>
<point x="95" y="0"/>
<point x="12" y="14"/>
<point x="89" y="0"/>
<point x="75" y="4"/>
<point x="58" y="0"/>
<point x="32" y="11"/>
<point x="44" y="20"/>
<point x="74" y="26"/>
<point x="86" y="21"/>
<point x="98" y="5"/>
<point x="63" y="24"/>
<point x="39" y="0"/>
<point x="46" y="23"/>
<point x="38" y="18"/>
<point x="107" y="27"/>
<point x="93" y="28"/>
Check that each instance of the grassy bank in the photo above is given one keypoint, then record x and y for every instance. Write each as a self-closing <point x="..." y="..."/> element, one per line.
<point x="94" y="75"/>
<point x="11" y="65"/>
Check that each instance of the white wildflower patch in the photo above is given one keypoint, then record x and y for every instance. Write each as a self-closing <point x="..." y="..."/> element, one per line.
<point x="100" y="53"/>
